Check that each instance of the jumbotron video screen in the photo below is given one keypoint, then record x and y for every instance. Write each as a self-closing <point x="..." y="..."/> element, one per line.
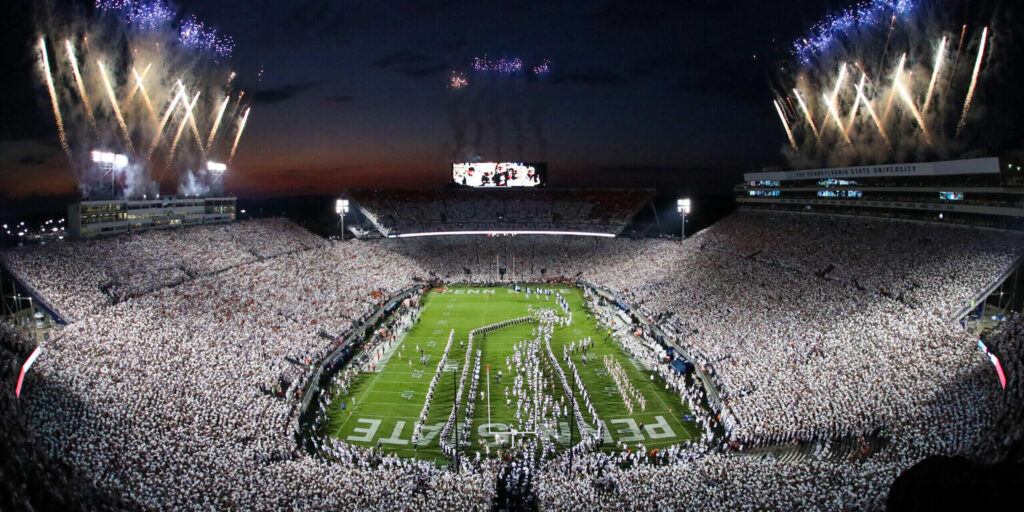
<point x="499" y="174"/>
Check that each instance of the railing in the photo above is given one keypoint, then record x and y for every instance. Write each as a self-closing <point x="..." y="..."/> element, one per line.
<point x="352" y="341"/>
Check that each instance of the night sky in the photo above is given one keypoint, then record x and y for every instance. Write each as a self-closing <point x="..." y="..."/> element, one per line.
<point x="354" y="94"/>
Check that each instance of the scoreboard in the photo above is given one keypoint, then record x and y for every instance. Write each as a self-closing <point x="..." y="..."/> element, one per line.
<point x="499" y="174"/>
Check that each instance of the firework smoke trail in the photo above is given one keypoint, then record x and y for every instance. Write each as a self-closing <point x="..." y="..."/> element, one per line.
<point x="871" y="110"/>
<point x="807" y="113"/>
<point x="785" y="124"/>
<point x="181" y="127"/>
<point x="163" y="122"/>
<point x="138" y="83"/>
<point x="238" y="136"/>
<point x="974" y="82"/>
<point x="238" y="105"/>
<point x="216" y="123"/>
<point x="835" y="114"/>
<point x="53" y="98"/>
<point x="956" y="61"/>
<point x="895" y="81"/>
<point x="145" y="95"/>
<point x="888" y="39"/>
<point x="865" y="73"/>
<point x="856" y="103"/>
<point x="831" y="102"/>
<point x="913" y="110"/>
<point x="191" y="119"/>
<point x="81" y="85"/>
<point x="113" y="103"/>
<point x="935" y="75"/>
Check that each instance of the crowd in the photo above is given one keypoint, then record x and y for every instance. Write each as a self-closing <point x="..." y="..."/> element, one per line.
<point x="77" y="278"/>
<point x="154" y="390"/>
<point x="158" y="399"/>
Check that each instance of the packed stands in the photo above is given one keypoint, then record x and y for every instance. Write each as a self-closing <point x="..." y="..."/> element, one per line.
<point x="81" y="277"/>
<point x="160" y="398"/>
<point x="600" y="211"/>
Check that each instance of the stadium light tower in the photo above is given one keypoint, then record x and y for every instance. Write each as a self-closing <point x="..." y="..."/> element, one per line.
<point x="341" y="208"/>
<point x="683" y="207"/>
<point x="109" y="164"/>
<point x="216" y="169"/>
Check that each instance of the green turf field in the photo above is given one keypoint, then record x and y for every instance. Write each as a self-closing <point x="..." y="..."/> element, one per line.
<point x="382" y="406"/>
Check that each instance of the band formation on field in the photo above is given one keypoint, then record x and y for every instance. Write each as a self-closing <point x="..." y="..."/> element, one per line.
<point x="513" y="379"/>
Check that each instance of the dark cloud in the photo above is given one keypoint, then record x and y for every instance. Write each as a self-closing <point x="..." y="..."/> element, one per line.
<point x="597" y="77"/>
<point x="732" y="74"/>
<point x="742" y="87"/>
<point x="339" y="100"/>
<point x="31" y="160"/>
<point x="318" y="20"/>
<point x="280" y="94"/>
<point x="400" y="59"/>
<point x="644" y="14"/>
<point x="422" y="72"/>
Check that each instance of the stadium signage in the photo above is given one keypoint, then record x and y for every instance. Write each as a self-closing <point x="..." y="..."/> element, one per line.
<point x="945" y="168"/>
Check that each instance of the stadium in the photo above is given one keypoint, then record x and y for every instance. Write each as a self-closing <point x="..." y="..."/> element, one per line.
<point x="840" y="332"/>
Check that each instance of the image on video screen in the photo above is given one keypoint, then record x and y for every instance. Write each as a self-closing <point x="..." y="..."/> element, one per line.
<point x="499" y="174"/>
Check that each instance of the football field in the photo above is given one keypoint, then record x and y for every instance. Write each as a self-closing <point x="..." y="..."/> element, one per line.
<point x="382" y="406"/>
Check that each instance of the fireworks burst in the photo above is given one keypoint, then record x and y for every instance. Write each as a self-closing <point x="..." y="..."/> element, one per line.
<point x="458" y="80"/>
<point x="826" y="33"/>
<point x="512" y="65"/>
<point x="53" y="97"/>
<point x="915" y="111"/>
<point x="184" y="122"/>
<point x="194" y="34"/>
<point x="935" y="75"/>
<point x="143" y="85"/>
<point x="216" y="123"/>
<point x="785" y="124"/>
<point x="156" y="15"/>
<point x="80" y="84"/>
<point x="238" y="136"/>
<point x="113" y="104"/>
<point x="974" y="82"/>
